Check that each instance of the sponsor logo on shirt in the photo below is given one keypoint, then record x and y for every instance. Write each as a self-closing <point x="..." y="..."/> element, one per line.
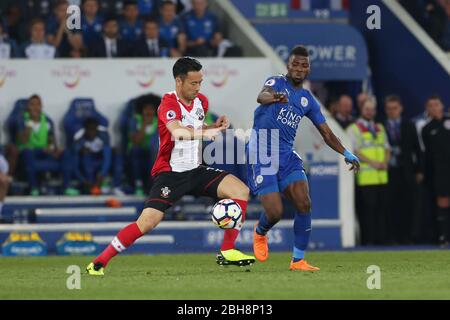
<point x="289" y="118"/>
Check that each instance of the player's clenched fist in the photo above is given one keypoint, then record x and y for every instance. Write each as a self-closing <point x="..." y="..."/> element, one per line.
<point x="280" y="97"/>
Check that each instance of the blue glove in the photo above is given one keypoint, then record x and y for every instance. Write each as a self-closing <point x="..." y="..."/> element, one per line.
<point x="351" y="158"/>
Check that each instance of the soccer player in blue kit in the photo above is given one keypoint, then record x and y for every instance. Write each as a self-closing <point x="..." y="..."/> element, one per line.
<point x="283" y="103"/>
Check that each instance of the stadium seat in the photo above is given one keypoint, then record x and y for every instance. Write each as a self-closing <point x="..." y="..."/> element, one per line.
<point x="14" y="118"/>
<point x="125" y="116"/>
<point x="80" y="109"/>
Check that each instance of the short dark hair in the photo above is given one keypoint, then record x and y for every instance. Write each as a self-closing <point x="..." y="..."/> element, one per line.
<point x="185" y="65"/>
<point x="434" y="97"/>
<point x="91" y="122"/>
<point x="58" y="3"/>
<point x="34" y="96"/>
<point x="147" y="100"/>
<point x="299" y="50"/>
<point x="36" y="21"/>
<point x="150" y="20"/>
<point x="130" y="3"/>
<point x="166" y="3"/>
<point x="110" y="17"/>
<point x="392" y="98"/>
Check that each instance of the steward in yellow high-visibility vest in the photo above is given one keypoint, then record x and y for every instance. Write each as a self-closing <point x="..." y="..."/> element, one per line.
<point x="371" y="145"/>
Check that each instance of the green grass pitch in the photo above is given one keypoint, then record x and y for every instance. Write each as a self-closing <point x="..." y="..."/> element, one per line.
<point x="343" y="275"/>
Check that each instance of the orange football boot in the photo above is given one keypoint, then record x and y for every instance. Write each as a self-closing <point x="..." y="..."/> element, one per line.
<point x="260" y="247"/>
<point x="302" y="265"/>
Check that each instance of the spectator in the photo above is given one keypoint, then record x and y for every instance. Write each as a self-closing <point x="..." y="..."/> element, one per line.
<point x="13" y="23"/>
<point x="152" y="45"/>
<point x="4" y="183"/>
<point x="143" y="141"/>
<point x="202" y="29"/>
<point x="147" y="8"/>
<point x="59" y="36"/>
<point x="445" y="37"/>
<point x="130" y="25"/>
<point x="34" y="8"/>
<point x="37" y="47"/>
<point x="108" y="7"/>
<point x="171" y="29"/>
<point x="371" y="145"/>
<point x="404" y="197"/>
<point x="344" y="111"/>
<point x="37" y="145"/>
<point x="361" y="99"/>
<point x="7" y="47"/>
<point x="109" y="45"/>
<point x="436" y="138"/>
<point x="91" y="21"/>
<point x="93" y="159"/>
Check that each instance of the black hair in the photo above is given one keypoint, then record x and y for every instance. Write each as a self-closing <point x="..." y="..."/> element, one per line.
<point x="84" y="1"/>
<point x="130" y="3"/>
<point x="110" y="17"/>
<point x="90" y="122"/>
<point x="34" y="96"/>
<point x="185" y="65"/>
<point x="145" y="100"/>
<point x="167" y="2"/>
<point x="434" y="97"/>
<point x="299" y="50"/>
<point x="58" y="3"/>
<point x="150" y="20"/>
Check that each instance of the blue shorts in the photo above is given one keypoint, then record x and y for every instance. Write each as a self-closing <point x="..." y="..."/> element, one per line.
<point x="262" y="181"/>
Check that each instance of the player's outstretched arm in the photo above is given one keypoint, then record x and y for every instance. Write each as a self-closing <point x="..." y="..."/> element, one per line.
<point x="334" y="143"/>
<point x="269" y="96"/>
<point x="180" y="132"/>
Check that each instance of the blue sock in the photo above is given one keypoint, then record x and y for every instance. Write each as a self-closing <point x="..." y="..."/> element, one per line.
<point x="264" y="225"/>
<point x="302" y="231"/>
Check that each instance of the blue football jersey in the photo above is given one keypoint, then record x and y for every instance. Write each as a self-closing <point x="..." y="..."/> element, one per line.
<point x="285" y="116"/>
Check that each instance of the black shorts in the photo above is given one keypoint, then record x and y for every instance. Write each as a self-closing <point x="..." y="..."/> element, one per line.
<point x="169" y="187"/>
<point x="442" y="180"/>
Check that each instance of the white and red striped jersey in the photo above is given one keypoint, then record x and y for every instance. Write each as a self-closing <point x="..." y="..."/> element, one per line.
<point x="176" y="155"/>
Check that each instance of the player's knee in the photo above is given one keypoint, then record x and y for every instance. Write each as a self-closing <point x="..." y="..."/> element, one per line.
<point x="304" y="206"/>
<point x="274" y="214"/>
<point x="242" y="192"/>
<point x="148" y="220"/>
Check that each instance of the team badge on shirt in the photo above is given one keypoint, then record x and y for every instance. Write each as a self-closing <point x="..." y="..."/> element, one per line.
<point x="270" y="82"/>
<point x="304" y="102"/>
<point x="200" y="114"/>
<point x="165" y="191"/>
<point x="171" y="115"/>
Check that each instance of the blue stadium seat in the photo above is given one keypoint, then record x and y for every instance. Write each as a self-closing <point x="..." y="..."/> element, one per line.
<point x="14" y="118"/>
<point x="80" y="109"/>
<point x="125" y="116"/>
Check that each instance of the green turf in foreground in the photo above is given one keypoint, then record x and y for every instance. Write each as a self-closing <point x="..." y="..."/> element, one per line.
<point x="404" y="275"/>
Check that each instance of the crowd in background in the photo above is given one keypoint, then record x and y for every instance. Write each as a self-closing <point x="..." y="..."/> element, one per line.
<point x="434" y="17"/>
<point x="403" y="187"/>
<point x="109" y="29"/>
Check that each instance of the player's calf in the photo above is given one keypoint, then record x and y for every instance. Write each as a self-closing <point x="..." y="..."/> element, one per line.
<point x="147" y="221"/>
